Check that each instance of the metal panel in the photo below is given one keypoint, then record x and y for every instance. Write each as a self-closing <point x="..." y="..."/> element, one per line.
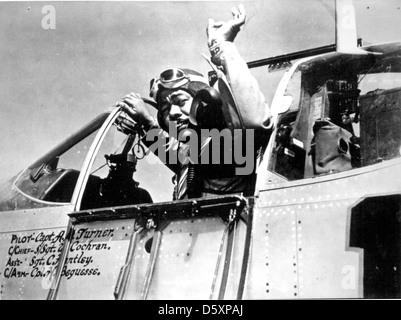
<point x="187" y="258"/>
<point x="184" y="234"/>
<point x="356" y="183"/>
<point x="95" y="256"/>
<point x="273" y="265"/>
<point x="328" y="268"/>
<point x="235" y="275"/>
<point x="31" y="219"/>
<point x="29" y="248"/>
<point x="140" y="264"/>
<point x="29" y="259"/>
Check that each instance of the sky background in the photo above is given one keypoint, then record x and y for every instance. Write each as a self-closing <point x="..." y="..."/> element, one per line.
<point x="52" y="82"/>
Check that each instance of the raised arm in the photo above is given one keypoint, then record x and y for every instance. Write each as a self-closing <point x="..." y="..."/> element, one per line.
<point x="249" y="99"/>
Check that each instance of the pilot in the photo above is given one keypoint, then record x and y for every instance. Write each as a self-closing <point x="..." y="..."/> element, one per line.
<point x="175" y="92"/>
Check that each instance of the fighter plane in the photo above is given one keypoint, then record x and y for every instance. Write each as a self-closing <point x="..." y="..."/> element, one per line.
<point x="324" y="221"/>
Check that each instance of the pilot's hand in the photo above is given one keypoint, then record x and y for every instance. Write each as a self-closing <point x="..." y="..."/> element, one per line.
<point x="134" y="106"/>
<point x="220" y="31"/>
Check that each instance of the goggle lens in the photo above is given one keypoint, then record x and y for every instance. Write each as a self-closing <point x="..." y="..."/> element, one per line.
<point x="168" y="79"/>
<point x="171" y="75"/>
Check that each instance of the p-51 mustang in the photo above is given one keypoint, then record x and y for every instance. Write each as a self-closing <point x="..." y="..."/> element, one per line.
<point x="324" y="221"/>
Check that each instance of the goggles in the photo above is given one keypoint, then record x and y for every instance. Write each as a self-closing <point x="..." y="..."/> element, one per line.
<point x="173" y="79"/>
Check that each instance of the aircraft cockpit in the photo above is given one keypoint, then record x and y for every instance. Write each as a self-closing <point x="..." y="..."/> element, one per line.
<point x="344" y="114"/>
<point x="93" y="168"/>
<point x="111" y="182"/>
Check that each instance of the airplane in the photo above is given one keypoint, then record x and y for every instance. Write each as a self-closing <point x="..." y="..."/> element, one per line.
<point x="324" y="221"/>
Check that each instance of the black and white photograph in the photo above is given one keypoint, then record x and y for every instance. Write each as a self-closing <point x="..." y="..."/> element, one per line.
<point x="204" y="151"/>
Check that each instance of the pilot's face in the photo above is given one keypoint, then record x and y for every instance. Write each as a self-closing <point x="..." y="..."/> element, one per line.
<point x="175" y="108"/>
